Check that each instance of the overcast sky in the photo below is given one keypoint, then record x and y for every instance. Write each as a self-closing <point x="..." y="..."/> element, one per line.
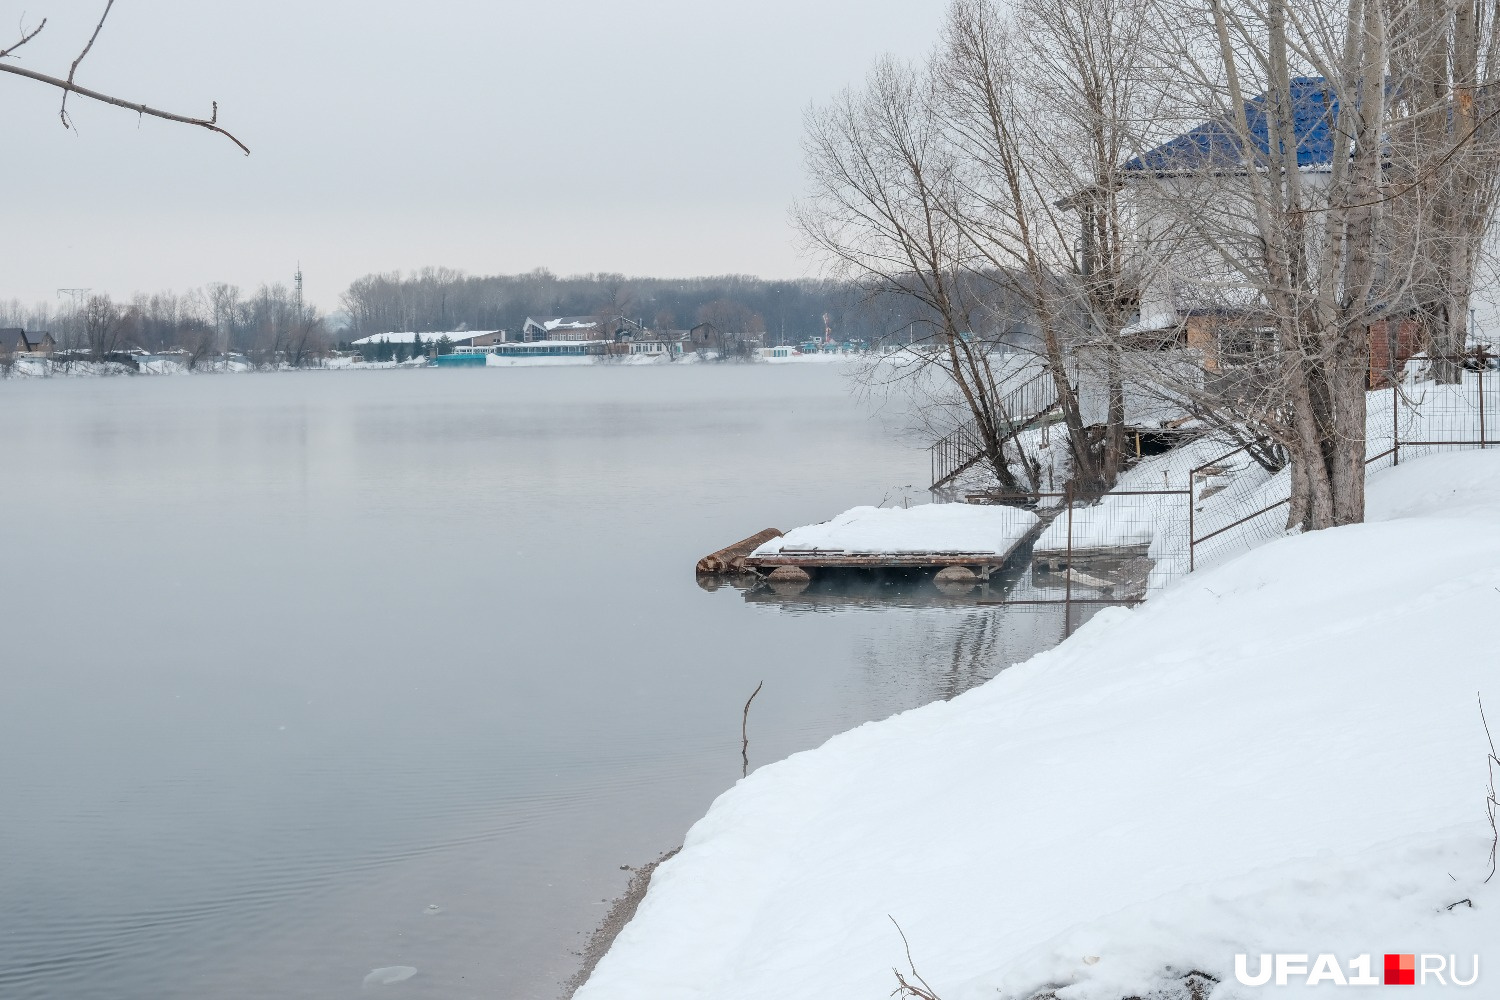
<point x="656" y="138"/>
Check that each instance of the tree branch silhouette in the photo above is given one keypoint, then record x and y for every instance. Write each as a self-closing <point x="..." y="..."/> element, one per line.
<point x="68" y="86"/>
<point x="62" y="112"/>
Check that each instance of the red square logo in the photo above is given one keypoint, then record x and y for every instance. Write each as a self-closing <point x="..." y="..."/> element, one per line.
<point x="1401" y="970"/>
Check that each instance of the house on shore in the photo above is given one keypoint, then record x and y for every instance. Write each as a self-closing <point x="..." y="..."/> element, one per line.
<point x="562" y="328"/>
<point x="471" y="339"/>
<point x="1190" y="300"/>
<point x="708" y="337"/>
<point x="15" y="342"/>
<point x="427" y="342"/>
<point x="607" y="335"/>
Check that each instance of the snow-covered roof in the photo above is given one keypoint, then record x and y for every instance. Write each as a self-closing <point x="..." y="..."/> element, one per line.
<point x="550" y="323"/>
<point x="410" y="336"/>
<point x="1151" y="324"/>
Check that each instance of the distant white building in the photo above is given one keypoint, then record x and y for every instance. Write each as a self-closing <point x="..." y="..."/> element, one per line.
<point x="464" y="338"/>
<point x="561" y="328"/>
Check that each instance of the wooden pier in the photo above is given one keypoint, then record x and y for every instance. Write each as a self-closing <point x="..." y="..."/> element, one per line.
<point x="981" y="563"/>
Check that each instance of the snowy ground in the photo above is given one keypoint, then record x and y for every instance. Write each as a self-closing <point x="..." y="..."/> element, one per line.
<point x="925" y="528"/>
<point x="830" y="357"/>
<point x="1282" y="754"/>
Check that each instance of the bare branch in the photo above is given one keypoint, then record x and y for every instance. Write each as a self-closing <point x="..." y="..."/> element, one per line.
<point x="25" y="37"/>
<point x="920" y="990"/>
<point x="1491" y="803"/>
<point x="745" y="731"/>
<point x="211" y="123"/>
<point x="62" y="112"/>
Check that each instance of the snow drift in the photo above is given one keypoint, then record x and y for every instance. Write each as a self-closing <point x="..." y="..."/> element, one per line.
<point x="1283" y="754"/>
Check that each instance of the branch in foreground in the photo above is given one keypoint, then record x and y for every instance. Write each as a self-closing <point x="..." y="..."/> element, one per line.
<point x="26" y="36"/>
<point x="62" y="112"/>
<point x="211" y="123"/>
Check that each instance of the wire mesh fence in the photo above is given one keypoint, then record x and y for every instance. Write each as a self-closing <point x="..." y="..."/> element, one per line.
<point x="1235" y="510"/>
<point x="1134" y="541"/>
<point x="1116" y="549"/>
<point x="1431" y="417"/>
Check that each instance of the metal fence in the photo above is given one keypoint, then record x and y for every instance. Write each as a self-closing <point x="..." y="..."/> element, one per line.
<point x="1116" y="549"/>
<point x="1130" y="543"/>
<point x="1410" y="419"/>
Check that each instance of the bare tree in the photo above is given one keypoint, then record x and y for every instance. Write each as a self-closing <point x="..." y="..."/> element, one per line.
<point x="1443" y="57"/>
<point x="983" y="184"/>
<point x="102" y="323"/>
<point x="882" y="212"/>
<point x="68" y="86"/>
<point x="731" y="325"/>
<point x="307" y="339"/>
<point x="1043" y="104"/>
<point x="1307" y="208"/>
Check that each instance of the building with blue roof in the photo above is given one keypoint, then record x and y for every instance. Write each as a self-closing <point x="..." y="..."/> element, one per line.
<point x="1216" y="145"/>
<point x="1190" y="296"/>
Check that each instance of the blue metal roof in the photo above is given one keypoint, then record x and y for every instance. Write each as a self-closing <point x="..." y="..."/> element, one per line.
<point x="1215" y="144"/>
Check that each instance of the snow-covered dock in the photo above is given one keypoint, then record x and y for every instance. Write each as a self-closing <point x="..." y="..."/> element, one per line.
<point x="924" y="537"/>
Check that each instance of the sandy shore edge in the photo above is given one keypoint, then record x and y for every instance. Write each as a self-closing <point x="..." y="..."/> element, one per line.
<point x="620" y="912"/>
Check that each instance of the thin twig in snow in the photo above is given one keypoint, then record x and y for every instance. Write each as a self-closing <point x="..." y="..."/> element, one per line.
<point x="904" y="986"/>
<point x="1491" y="803"/>
<point x="745" y="732"/>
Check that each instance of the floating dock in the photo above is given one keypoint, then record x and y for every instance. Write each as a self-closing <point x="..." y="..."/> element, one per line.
<point x="929" y="536"/>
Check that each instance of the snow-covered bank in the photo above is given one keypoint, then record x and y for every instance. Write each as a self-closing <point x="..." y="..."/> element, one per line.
<point x="821" y="358"/>
<point x="1282" y="754"/>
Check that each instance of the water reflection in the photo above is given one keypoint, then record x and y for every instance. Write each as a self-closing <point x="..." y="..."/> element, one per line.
<point x="984" y="627"/>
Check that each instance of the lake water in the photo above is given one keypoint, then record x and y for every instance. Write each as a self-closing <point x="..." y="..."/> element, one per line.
<point x="310" y="674"/>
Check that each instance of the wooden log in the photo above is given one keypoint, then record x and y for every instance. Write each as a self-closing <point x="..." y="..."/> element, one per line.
<point x="731" y="559"/>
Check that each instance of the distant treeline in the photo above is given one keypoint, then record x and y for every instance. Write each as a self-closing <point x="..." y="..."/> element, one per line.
<point x="439" y="299"/>
<point x="268" y="324"/>
<point x="272" y="324"/>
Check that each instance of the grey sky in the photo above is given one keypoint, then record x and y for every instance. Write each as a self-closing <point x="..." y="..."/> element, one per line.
<point x="580" y="135"/>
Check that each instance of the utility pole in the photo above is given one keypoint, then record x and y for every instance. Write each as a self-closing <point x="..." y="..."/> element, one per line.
<point x="76" y="296"/>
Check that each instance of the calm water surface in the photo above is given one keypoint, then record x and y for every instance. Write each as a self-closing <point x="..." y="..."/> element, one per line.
<point x="304" y="675"/>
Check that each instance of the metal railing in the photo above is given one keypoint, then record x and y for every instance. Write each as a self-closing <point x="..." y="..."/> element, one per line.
<point x="962" y="448"/>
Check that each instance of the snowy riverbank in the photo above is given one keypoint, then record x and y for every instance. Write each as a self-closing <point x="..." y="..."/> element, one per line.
<point x="1283" y="754"/>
